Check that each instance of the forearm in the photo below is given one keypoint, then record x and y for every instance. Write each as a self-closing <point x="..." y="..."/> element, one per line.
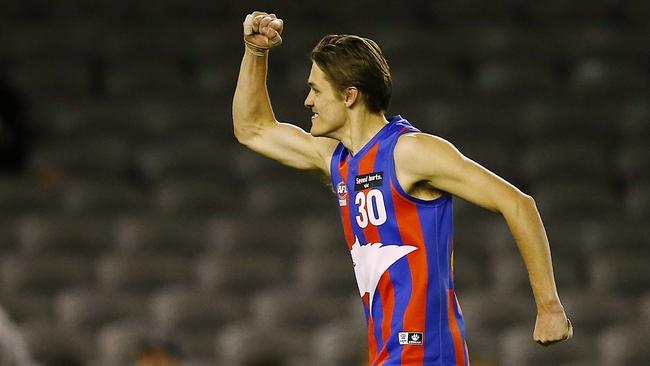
<point x="528" y="231"/>
<point x="251" y="109"/>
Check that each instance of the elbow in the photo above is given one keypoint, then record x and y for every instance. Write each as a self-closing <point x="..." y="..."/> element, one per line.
<point x="527" y="199"/>
<point x="519" y="203"/>
<point x="240" y="135"/>
<point x="244" y="135"/>
<point x="525" y="203"/>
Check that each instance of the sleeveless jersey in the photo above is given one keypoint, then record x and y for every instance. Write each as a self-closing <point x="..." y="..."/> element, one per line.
<point x="402" y="252"/>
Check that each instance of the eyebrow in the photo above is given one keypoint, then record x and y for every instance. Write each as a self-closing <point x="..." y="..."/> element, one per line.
<point x="312" y="84"/>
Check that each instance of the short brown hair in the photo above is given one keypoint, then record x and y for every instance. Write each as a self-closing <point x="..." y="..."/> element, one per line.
<point x="349" y="60"/>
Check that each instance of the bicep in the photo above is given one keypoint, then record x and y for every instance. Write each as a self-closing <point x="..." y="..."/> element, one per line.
<point x="472" y="182"/>
<point x="292" y="146"/>
<point x="444" y="167"/>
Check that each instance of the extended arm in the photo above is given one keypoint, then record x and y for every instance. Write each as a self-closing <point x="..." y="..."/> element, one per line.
<point x="427" y="159"/>
<point x="254" y="123"/>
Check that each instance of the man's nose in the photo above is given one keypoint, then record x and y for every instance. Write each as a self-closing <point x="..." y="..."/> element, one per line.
<point x="308" y="102"/>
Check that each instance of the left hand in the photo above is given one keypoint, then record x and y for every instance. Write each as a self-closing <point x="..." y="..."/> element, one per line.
<point x="552" y="328"/>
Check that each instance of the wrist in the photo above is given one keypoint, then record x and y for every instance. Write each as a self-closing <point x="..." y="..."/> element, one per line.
<point x="550" y="306"/>
<point x="255" y="49"/>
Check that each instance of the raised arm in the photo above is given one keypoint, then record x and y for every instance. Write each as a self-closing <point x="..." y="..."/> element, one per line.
<point x="253" y="120"/>
<point x="430" y="160"/>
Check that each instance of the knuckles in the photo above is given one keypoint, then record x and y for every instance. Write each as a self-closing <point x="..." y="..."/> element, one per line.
<point x="262" y="22"/>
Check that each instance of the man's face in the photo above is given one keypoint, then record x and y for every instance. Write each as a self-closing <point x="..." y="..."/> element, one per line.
<point x="326" y="103"/>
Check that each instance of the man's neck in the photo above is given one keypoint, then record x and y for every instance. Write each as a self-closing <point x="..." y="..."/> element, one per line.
<point x="360" y="129"/>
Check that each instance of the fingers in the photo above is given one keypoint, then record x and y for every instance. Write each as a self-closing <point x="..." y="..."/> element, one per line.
<point x="259" y="22"/>
<point x="257" y="16"/>
<point x="264" y="23"/>
<point x="273" y="31"/>
<point x="569" y="331"/>
<point x="256" y="22"/>
<point x="567" y="335"/>
<point x="277" y="25"/>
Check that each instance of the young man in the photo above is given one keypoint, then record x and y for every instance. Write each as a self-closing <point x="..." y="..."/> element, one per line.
<point x="394" y="186"/>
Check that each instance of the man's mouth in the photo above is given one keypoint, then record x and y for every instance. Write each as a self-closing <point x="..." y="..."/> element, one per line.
<point x="314" y="116"/>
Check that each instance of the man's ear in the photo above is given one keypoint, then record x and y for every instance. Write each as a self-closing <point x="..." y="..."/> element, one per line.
<point x="350" y="96"/>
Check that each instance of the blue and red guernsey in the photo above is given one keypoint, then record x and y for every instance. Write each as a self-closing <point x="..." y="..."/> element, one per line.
<point x="402" y="252"/>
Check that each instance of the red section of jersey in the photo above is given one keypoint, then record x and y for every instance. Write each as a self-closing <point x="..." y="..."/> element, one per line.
<point x="345" y="210"/>
<point x="387" y="293"/>
<point x="372" y="343"/>
<point x="408" y="222"/>
<point x="455" y="331"/>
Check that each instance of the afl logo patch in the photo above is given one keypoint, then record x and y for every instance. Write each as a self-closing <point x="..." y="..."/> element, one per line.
<point x="342" y="192"/>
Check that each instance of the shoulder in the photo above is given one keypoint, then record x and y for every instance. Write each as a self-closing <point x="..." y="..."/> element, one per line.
<point x="423" y="156"/>
<point x="326" y="149"/>
<point x="416" y="146"/>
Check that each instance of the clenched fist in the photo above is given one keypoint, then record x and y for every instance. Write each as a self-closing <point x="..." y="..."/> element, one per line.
<point x="552" y="328"/>
<point x="262" y="31"/>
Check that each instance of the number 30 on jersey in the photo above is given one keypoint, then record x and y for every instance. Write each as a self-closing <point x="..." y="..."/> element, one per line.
<point x="371" y="208"/>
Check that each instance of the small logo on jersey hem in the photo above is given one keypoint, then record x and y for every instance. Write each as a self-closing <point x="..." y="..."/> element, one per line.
<point x="342" y="192"/>
<point x="411" y="338"/>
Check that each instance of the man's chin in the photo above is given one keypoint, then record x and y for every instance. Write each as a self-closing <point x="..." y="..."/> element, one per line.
<point x="316" y="133"/>
<point x="321" y="132"/>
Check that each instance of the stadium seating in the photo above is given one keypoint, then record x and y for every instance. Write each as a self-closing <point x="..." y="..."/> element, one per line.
<point x="45" y="276"/>
<point x="517" y="348"/>
<point x="140" y="216"/>
<point x="288" y="308"/>
<point x="192" y="158"/>
<point x="616" y="238"/>
<point x="194" y="317"/>
<point x="65" y="237"/>
<point x="193" y="197"/>
<point x="239" y="275"/>
<point x="103" y="199"/>
<point x="596" y="78"/>
<point x="147" y="235"/>
<point x="65" y="78"/>
<point x="87" y="310"/>
<point x="340" y="343"/>
<point x="117" y="343"/>
<point x="8" y="236"/>
<point x="106" y="156"/>
<point x="272" y="346"/>
<point x="586" y="200"/>
<point x="624" y="274"/>
<point x="581" y="160"/>
<point x="623" y="344"/>
<point x="325" y="275"/>
<point x="637" y="201"/>
<point x="634" y="162"/>
<point x="591" y="314"/>
<point x="25" y="196"/>
<point x="142" y="273"/>
<point x="59" y="346"/>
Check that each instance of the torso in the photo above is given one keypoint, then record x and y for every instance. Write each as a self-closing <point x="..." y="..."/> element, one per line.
<point x="417" y="189"/>
<point x="399" y="231"/>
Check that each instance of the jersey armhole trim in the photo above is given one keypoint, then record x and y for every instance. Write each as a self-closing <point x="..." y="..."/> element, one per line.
<point x="398" y="187"/>
<point x="335" y="156"/>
